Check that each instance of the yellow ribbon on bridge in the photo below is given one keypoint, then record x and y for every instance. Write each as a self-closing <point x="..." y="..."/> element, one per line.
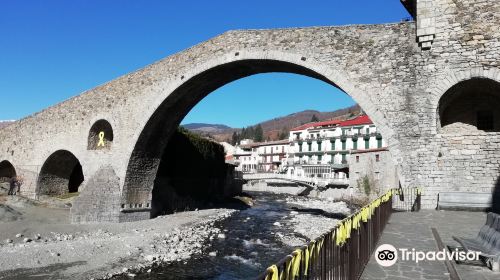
<point x="272" y="273"/>
<point x="101" y="140"/>
<point x="307" y="256"/>
<point x="342" y="233"/>
<point x="296" y="257"/>
<point x="345" y="227"/>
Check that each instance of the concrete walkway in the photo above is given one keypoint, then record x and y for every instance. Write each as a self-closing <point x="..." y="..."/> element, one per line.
<point x="413" y="230"/>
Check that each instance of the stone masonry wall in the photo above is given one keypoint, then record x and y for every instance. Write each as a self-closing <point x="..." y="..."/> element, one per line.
<point x="466" y="45"/>
<point x="382" y="174"/>
<point x="100" y="200"/>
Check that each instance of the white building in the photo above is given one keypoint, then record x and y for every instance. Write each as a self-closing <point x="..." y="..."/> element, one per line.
<point x="322" y="149"/>
<point x="261" y="157"/>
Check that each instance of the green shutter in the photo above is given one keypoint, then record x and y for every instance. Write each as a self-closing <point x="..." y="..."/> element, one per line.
<point x="379" y="143"/>
<point x="343" y="145"/>
<point x="319" y="146"/>
<point x="367" y="143"/>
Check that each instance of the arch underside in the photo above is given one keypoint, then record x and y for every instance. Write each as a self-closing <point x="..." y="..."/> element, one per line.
<point x="146" y="156"/>
<point x="7" y="171"/>
<point x="471" y="105"/>
<point x="61" y="173"/>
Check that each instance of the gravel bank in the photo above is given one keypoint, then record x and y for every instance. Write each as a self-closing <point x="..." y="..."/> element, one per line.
<point x="97" y="251"/>
<point x="311" y="218"/>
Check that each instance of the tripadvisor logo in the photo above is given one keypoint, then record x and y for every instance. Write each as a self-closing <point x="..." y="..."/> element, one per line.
<point x="387" y="255"/>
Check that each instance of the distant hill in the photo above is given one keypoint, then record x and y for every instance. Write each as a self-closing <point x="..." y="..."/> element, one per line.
<point x="210" y="129"/>
<point x="299" y="118"/>
<point x="272" y="128"/>
<point x="5" y="123"/>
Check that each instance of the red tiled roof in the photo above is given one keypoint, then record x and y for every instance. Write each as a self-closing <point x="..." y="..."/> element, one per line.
<point x="315" y="124"/>
<point x="364" y="119"/>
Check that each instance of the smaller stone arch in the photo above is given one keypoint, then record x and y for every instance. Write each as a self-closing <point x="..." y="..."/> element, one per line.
<point x="470" y="105"/>
<point x="7" y="171"/>
<point x="100" y="136"/>
<point x="61" y="173"/>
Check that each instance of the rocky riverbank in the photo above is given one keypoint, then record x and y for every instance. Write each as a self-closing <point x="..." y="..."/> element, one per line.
<point x="37" y="240"/>
<point x="28" y="246"/>
<point x="311" y="217"/>
<point x="274" y="186"/>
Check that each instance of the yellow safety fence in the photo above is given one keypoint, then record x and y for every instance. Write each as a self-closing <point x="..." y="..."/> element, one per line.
<point x="342" y="234"/>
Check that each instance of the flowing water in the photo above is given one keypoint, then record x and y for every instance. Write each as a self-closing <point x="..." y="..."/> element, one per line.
<point x="250" y="245"/>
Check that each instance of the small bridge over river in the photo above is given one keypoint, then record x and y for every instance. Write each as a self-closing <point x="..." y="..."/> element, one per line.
<point x="312" y="182"/>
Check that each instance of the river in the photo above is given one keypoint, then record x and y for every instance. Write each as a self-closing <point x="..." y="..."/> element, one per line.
<point x="253" y="239"/>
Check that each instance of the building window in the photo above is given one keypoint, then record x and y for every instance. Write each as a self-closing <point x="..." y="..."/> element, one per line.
<point x="357" y="158"/>
<point x="379" y="143"/>
<point x="320" y="157"/>
<point x="344" y="160"/>
<point x="300" y="147"/>
<point x="333" y="145"/>
<point x="319" y="146"/>
<point x="367" y="130"/>
<point x="485" y="120"/>
<point x="309" y="147"/>
<point x="354" y="144"/>
<point x="343" y="145"/>
<point x="377" y="158"/>
<point x="367" y="144"/>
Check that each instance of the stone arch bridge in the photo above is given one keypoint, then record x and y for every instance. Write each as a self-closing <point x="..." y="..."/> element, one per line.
<point x="405" y="75"/>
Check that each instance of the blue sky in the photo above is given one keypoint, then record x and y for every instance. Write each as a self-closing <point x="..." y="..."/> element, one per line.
<point x="51" y="50"/>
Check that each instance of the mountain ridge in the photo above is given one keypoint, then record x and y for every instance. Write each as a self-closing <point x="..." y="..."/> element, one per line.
<point x="274" y="127"/>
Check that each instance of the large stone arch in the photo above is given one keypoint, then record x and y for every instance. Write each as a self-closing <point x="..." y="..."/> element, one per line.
<point x="60" y="173"/>
<point x="180" y="96"/>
